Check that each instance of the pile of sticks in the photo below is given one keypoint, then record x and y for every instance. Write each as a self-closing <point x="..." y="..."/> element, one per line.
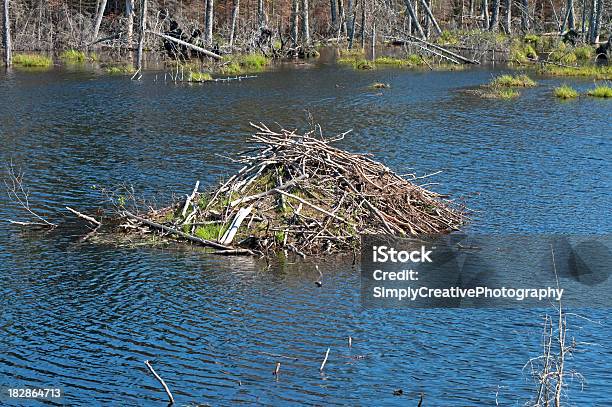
<point x="298" y="193"/>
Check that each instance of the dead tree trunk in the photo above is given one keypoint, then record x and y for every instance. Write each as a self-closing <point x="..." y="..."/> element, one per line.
<point x="129" y="14"/>
<point x="261" y="13"/>
<point x="295" y="10"/>
<point x="208" y="23"/>
<point x="571" y="20"/>
<point x="413" y="18"/>
<point x="494" y="23"/>
<point x="141" y="33"/>
<point x="597" y="24"/>
<point x="525" y="15"/>
<point x="99" y="15"/>
<point x="333" y="10"/>
<point x="350" y="26"/>
<point x="485" y="14"/>
<point x="508" y="25"/>
<point x="363" y="26"/>
<point x="305" y="28"/>
<point x="7" y="34"/>
<point x="235" y="13"/>
<point x="431" y="16"/>
<point x="342" y="28"/>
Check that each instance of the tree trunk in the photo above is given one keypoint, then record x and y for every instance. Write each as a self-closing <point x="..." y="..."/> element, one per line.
<point x="413" y="18"/>
<point x="334" y="14"/>
<point x="208" y="23"/>
<point x="597" y="23"/>
<point x="235" y="13"/>
<point x="525" y="15"/>
<point x="141" y="33"/>
<point x="485" y="14"/>
<point x="261" y="13"/>
<point x="305" y="28"/>
<point x="571" y="19"/>
<point x="8" y="58"/>
<point x="342" y="16"/>
<point x="129" y="13"/>
<point x="363" y="25"/>
<point x="295" y="10"/>
<point x="508" y="25"/>
<point x="99" y="15"/>
<point x="373" y="39"/>
<point x="494" y="24"/>
<point x="350" y="25"/>
<point x="426" y="6"/>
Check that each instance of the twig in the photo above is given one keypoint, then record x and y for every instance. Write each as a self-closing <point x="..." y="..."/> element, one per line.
<point x="161" y="381"/>
<point x="324" y="360"/>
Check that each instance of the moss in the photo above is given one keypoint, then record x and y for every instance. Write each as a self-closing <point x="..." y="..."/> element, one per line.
<point x="602" y="91"/>
<point x="507" y="81"/>
<point x="119" y="69"/>
<point x="73" y="55"/>
<point x="32" y="61"/>
<point x="590" y="71"/>
<point x="199" y="77"/>
<point x="279" y="237"/>
<point x="565" y="92"/>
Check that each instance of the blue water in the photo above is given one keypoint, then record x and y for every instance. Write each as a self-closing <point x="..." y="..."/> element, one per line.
<point x="83" y="316"/>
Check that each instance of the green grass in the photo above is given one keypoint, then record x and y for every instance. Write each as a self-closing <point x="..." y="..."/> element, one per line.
<point x="602" y="91"/>
<point x="563" y="54"/>
<point x="120" y="69"/>
<point x="565" y="92"/>
<point x="584" y="53"/>
<point x="509" y="81"/>
<point x="199" y="77"/>
<point x="254" y="62"/>
<point x="448" y="38"/>
<point x="522" y="53"/>
<point x="390" y="61"/>
<point x="589" y="71"/>
<point x="212" y="231"/>
<point x="501" y="93"/>
<point x="32" y="61"/>
<point x="364" y="64"/>
<point x="72" y="55"/>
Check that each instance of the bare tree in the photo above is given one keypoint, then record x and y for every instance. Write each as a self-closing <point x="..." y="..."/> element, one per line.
<point x="597" y="23"/>
<point x="129" y="13"/>
<point x="342" y="16"/>
<point x="485" y="14"/>
<point x="508" y="25"/>
<point x="295" y="10"/>
<point x="7" y="34"/>
<point x="305" y="28"/>
<point x="235" y="14"/>
<point x="413" y="18"/>
<point x="494" y="23"/>
<point x="525" y="15"/>
<point x="208" y="23"/>
<point x="99" y="15"/>
<point x="141" y="33"/>
<point x="333" y="10"/>
<point x="261" y="13"/>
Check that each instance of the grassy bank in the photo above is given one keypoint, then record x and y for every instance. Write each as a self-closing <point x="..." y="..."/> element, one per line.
<point x="565" y="92"/>
<point x="32" y="61"/>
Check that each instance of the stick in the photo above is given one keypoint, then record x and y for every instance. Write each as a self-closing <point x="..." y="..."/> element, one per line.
<point x="186" y="44"/>
<point x="313" y="206"/>
<point x="184" y="235"/>
<point x="324" y="360"/>
<point x="262" y="194"/>
<point x="231" y="232"/>
<point x="87" y="218"/>
<point x="161" y="381"/>
<point x="190" y="198"/>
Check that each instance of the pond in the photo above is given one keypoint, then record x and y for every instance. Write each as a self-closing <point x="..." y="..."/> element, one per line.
<point x="84" y="317"/>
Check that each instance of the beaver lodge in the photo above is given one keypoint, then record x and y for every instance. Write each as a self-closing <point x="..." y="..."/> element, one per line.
<point x="298" y="193"/>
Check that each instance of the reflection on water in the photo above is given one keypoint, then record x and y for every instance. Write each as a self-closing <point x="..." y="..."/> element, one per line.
<point x="85" y="317"/>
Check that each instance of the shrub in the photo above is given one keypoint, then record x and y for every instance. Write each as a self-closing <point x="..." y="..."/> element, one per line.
<point x="565" y="92"/>
<point x="448" y="38"/>
<point x="233" y="68"/>
<point x="602" y="91"/>
<point x="32" y="60"/>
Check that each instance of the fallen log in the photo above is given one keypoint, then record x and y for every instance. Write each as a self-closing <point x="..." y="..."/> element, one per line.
<point x="439" y="48"/>
<point x="174" y="231"/>
<point x="186" y="44"/>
